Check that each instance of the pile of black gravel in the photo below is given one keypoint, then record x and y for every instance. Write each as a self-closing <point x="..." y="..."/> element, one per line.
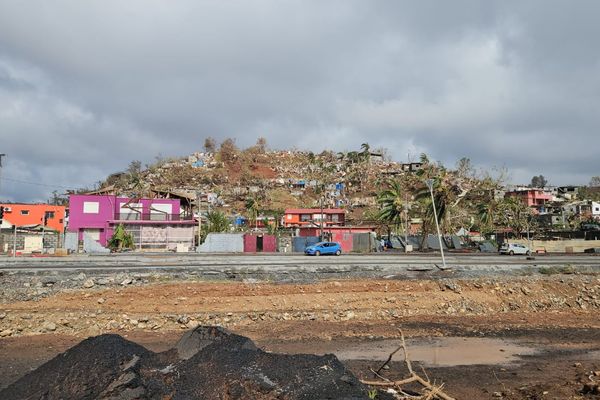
<point x="207" y="363"/>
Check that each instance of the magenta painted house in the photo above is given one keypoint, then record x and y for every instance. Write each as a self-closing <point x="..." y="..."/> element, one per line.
<point x="154" y="223"/>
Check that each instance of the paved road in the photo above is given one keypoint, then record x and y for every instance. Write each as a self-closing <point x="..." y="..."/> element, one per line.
<point x="379" y="264"/>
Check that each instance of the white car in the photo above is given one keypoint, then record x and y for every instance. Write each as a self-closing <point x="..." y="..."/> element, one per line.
<point x="514" y="248"/>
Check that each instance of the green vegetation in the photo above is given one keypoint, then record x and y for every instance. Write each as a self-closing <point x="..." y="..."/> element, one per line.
<point x="216" y="221"/>
<point x="121" y="239"/>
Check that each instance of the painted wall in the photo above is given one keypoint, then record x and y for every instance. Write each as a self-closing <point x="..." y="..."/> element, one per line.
<point x="269" y="243"/>
<point x="34" y="215"/>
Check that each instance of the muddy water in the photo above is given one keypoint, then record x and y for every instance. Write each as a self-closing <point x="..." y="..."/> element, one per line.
<point x="443" y="352"/>
<point x="448" y="351"/>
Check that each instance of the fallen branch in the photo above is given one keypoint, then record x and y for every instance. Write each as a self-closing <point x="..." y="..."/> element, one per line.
<point x="431" y="391"/>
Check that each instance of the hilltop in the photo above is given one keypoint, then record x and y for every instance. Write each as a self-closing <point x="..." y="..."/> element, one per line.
<point x="278" y="179"/>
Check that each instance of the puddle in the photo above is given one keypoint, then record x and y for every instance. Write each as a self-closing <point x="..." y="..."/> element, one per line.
<point x="442" y="352"/>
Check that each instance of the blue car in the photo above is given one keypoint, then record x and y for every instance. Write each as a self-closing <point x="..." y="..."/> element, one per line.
<point x="323" y="248"/>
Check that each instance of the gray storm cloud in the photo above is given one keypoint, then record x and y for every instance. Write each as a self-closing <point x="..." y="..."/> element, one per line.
<point x="86" y="87"/>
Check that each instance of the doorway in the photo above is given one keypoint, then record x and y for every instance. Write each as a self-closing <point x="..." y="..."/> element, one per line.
<point x="259" y="243"/>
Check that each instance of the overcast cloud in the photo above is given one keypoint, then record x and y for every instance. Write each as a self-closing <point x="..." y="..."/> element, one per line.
<point x="88" y="86"/>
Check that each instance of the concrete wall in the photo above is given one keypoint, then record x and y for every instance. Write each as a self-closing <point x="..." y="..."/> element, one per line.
<point x="28" y="242"/>
<point x="363" y="242"/>
<point x="299" y="243"/>
<point x="90" y="245"/>
<point x="71" y="241"/>
<point x="559" y="246"/>
<point x="222" y="243"/>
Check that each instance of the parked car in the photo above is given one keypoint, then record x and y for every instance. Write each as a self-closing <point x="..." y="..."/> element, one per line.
<point x="514" y="248"/>
<point x="323" y="248"/>
<point x="590" y="227"/>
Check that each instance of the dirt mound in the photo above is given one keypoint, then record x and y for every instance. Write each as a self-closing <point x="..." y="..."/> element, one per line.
<point x="209" y="363"/>
<point x="82" y="372"/>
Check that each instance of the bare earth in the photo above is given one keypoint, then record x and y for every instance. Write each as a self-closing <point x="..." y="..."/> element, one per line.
<point x="557" y="317"/>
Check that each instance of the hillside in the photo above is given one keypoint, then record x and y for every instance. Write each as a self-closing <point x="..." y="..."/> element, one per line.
<point x="277" y="179"/>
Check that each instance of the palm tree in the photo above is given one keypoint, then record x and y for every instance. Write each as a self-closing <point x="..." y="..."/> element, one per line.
<point x="365" y="154"/>
<point x="253" y="207"/>
<point x="392" y="204"/>
<point x="216" y="222"/>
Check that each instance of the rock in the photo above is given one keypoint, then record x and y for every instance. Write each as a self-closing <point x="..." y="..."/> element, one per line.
<point x="103" y="281"/>
<point x="184" y="319"/>
<point x="6" y="332"/>
<point x="126" y="282"/>
<point x="88" y="283"/>
<point x="131" y="363"/>
<point x="2" y="315"/>
<point x="122" y="380"/>
<point x="101" y="300"/>
<point x="49" y="326"/>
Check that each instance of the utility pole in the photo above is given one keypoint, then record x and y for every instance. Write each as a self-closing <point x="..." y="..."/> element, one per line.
<point x="406" y="218"/>
<point x="43" y="230"/>
<point x="15" y="243"/>
<point x="321" y="201"/>
<point x="429" y="183"/>
<point x="199" y="216"/>
<point x="1" y="155"/>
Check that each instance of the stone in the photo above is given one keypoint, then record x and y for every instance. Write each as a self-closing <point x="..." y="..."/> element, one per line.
<point x="131" y="363"/>
<point x="126" y="282"/>
<point x="49" y="326"/>
<point x="6" y="332"/>
<point x="103" y="281"/>
<point x="101" y="300"/>
<point x="88" y="283"/>
<point x="2" y="315"/>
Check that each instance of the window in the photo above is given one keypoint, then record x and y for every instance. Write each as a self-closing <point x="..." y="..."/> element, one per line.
<point x="49" y="214"/>
<point x="304" y="217"/>
<point x="91" y="207"/>
<point x="24" y="212"/>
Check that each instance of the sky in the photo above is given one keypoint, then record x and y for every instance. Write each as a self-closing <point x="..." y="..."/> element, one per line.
<point x="88" y="86"/>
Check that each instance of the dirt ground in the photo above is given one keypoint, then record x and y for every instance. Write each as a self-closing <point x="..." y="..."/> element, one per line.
<point x="556" y="316"/>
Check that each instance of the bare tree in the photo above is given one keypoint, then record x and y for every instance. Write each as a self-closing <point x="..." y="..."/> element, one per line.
<point x="210" y="145"/>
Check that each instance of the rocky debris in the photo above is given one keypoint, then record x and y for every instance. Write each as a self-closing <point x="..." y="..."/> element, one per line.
<point x="88" y="283"/>
<point x="49" y="326"/>
<point x="217" y="364"/>
<point x="198" y="338"/>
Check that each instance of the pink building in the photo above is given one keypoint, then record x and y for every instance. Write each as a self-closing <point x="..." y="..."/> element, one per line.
<point x="154" y="223"/>
<point x="534" y="198"/>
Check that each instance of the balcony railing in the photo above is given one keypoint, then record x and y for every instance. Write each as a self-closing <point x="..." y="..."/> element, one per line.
<point x="152" y="217"/>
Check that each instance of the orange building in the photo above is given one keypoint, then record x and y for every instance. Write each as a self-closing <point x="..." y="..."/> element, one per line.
<point x="33" y="214"/>
<point x="300" y="217"/>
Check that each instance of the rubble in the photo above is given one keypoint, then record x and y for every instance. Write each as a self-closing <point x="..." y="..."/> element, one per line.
<point x="208" y="363"/>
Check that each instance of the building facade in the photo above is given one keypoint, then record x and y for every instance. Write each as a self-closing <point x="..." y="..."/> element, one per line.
<point x="314" y="217"/>
<point x="30" y="215"/>
<point x="153" y="223"/>
<point x="534" y="198"/>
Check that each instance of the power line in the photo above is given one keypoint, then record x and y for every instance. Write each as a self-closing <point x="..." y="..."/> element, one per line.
<point x="36" y="183"/>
